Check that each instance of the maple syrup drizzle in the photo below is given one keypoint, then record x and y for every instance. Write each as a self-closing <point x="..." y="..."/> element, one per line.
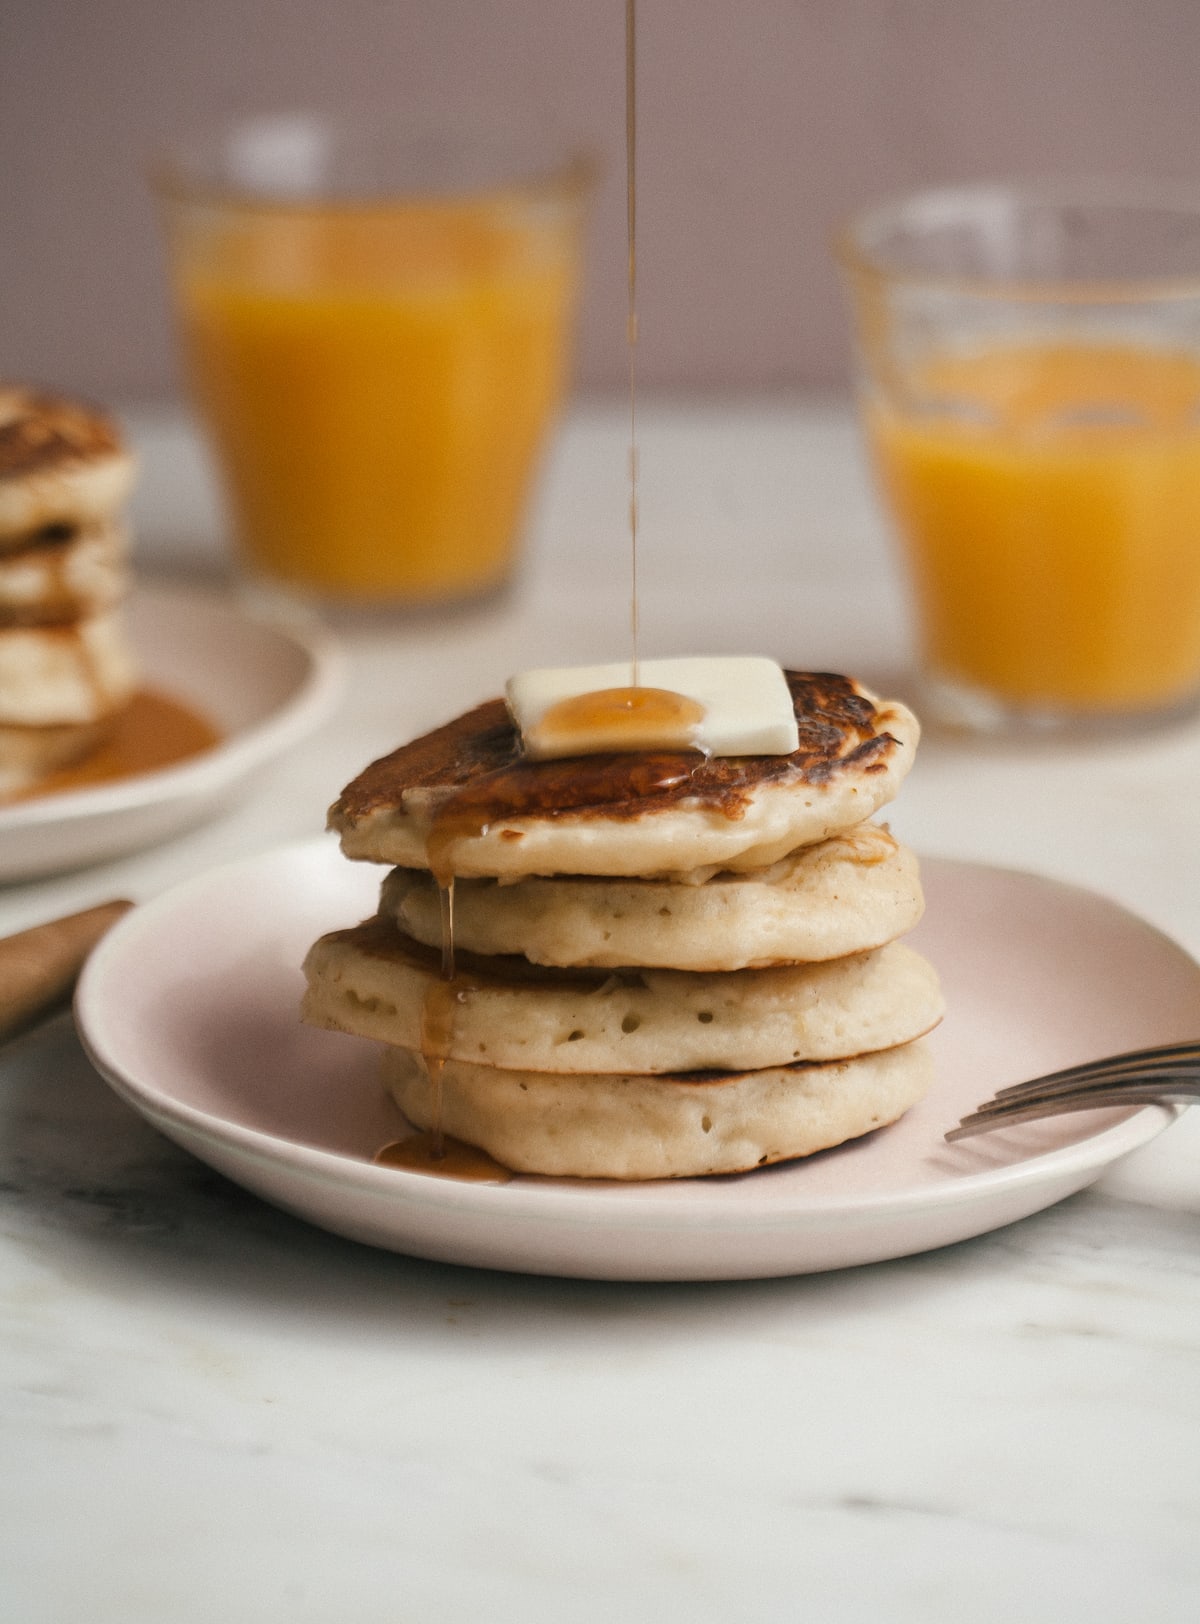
<point x="631" y="329"/>
<point x="446" y="910"/>
<point x="505" y="793"/>
<point x="619" y="719"/>
<point x="633" y="718"/>
<point x="444" y="992"/>
<point x="622" y="719"/>
<point x="437" y="1033"/>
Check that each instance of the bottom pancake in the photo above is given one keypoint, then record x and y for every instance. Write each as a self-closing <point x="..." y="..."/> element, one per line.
<point x="678" y="1125"/>
<point x="29" y="754"/>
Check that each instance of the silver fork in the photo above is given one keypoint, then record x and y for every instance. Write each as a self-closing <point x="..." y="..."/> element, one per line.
<point x="1169" y="1074"/>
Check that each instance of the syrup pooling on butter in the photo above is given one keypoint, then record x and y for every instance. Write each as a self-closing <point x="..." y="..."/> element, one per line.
<point x="618" y="720"/>
<point x="721" y="705"/>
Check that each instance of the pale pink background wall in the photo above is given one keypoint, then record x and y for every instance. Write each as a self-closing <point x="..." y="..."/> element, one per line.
<point x="761" y="122"/>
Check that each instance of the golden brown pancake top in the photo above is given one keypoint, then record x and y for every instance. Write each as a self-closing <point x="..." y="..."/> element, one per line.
<point x="39" y="433"/>
<point x="476" y="758"/>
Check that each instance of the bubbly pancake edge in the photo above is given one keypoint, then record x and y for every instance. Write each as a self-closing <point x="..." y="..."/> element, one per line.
<point x="375" y="983"/>
<point x="677" y="1126"/>
<point x="854" y="891"/>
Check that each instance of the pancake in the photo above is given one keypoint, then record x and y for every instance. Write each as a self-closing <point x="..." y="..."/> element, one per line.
<point x="28" y="754"/>
<point x="854" y="891"/>
<point x="52" y="676"/>
<point x="672" y="1126"/>
<point x="62" y="573"/>
<point x="648" y="815"/>
<point x="61" y="462"/>
<point x="374" y="982"/>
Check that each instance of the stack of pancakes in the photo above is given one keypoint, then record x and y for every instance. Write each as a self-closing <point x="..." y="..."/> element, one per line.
<point x="66" y="669"/>
<point x="663" y="966"/>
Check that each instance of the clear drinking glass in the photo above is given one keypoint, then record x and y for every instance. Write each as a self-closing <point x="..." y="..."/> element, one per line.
<point x="1029" y="379"/>
<point x="376" y="330"/>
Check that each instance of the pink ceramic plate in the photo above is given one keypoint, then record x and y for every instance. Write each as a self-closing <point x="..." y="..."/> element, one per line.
<point x="189" y="1009"/>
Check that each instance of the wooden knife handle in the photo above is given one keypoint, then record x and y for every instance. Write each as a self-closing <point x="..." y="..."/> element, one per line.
<point x="39" y="966"/>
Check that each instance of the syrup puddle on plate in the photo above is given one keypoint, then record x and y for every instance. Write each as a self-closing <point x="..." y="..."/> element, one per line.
<point x="152" y="732"/>
<point x="445" y="1157"/>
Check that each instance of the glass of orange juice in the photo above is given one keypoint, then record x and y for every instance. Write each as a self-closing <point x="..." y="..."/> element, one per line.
<point x="1029" y="372"/>
<point x="376" y="329"/>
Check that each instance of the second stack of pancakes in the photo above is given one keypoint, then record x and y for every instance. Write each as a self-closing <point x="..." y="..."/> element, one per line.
<point x="66" y="666"/>
<point x="649" y="982"/>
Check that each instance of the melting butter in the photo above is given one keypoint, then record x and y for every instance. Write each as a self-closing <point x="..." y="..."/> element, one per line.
<point x="719" y="705"/>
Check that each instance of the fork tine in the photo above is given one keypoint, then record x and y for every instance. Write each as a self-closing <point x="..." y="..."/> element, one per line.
<point x="1114" y="1072"/>
<point x="1009" y="1114"/>
<point x="1185" y="1054"/>
<point x="1169" y="1087"/>
<point x="1166" y="1073"/>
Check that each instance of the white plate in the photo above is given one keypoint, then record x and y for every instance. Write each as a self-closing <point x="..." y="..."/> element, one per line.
<point x="264" y="686"/>
<point x="189" y="1009"/>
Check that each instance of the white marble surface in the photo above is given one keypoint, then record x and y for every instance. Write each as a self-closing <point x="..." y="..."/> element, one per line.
<point x="211" y="1411"/>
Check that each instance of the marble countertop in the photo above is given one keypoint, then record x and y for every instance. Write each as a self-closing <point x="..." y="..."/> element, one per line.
<point x="212" y="1411"/>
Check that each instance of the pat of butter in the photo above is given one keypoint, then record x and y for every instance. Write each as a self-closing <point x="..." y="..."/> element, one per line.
<point x="741" y="706"/>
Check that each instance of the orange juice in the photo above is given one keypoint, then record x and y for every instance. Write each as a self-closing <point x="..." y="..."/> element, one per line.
<point x="378" y="382"/>
<point x="1049" y="499"/>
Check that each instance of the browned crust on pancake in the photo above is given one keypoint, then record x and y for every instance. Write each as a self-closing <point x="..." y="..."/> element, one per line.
<point x="41" y="432"/>
<point x="476" y="759"/>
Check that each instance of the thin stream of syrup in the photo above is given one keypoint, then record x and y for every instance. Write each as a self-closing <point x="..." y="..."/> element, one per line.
<point x="636" y="720"/>
<point x="632" y="321"/>
<point x="442" y="992"/>
<point x="437" y="1034"/>
<point x="632" y="717"/>
<point x="446" y="907"/>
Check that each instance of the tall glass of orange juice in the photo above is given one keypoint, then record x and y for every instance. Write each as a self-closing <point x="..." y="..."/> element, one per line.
<point x="376" y="333"/>
<point x="1029" y="367"/>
